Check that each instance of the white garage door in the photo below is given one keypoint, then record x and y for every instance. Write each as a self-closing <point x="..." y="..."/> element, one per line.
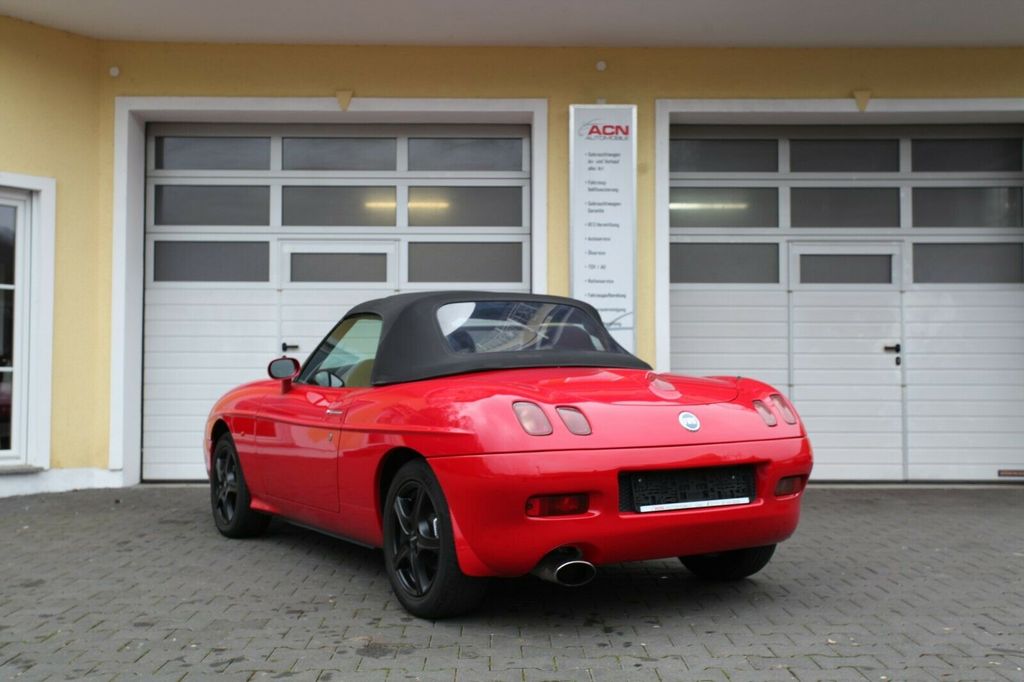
<point x="877" y="274"/>
<point x="260" y="238"/>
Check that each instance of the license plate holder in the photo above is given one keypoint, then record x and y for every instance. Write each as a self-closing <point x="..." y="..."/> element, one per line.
<point x="675" y="489"/>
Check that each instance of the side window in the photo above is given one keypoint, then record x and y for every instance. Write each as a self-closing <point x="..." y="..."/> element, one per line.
<point x="345" y="357"/>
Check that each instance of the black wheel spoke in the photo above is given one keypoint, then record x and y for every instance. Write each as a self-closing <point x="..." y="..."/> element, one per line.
<point x="405" y="524"/>
<point x="417" y="505"/>
<point x="402" y="556"/>
<point x="416" y="575"/>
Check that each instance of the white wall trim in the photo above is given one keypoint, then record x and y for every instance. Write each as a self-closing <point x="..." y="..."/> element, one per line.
<point x="58" y="481"/>
<point x="39" y="401"/>
<point x="793" y="112"/>
<point x="130" y="118"/>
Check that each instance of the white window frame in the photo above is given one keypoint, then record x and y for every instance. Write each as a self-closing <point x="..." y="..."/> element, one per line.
<point x="781" y="285"/>
<point x="131" y="115"/>
<point x="287" y="247"/>
<point x="846" y="248"/>
<point x="798" y="112"/>
<point x="522" y="285"/>
<point x="32" y="406"/>
<point x="272" y="274"/>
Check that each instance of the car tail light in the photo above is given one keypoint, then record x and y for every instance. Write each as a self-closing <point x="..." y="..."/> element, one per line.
<point x="783" y="407"/>
<point x="532" y="418"/>
<point x="557" y="505"/>
<point x="766" y="414"/>
<point x="574" y="420"/>
<point x="790" y="485"/>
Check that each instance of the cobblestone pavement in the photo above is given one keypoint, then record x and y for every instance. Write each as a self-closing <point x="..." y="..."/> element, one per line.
<point x="878" y="584"/>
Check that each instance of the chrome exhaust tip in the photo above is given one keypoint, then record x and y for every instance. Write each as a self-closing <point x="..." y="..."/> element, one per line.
<point x="565" y="567"/>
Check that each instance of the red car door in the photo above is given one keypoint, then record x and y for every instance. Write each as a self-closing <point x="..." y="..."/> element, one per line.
<point x="299" y="429"/>
<point x="297" y="441"/>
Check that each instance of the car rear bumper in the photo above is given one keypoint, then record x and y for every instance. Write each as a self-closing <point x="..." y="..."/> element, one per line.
<point x="487" y="495"/>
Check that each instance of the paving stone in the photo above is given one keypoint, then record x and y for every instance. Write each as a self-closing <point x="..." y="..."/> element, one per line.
<point x="877" y="584"/>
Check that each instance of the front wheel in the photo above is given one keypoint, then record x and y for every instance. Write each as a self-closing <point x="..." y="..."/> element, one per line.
<point x="229" y="496"/>
<point x="419" y="548"/>
<point x="732" y="565"/>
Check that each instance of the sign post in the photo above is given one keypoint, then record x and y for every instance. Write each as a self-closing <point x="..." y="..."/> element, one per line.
<point x="602" y="213"/>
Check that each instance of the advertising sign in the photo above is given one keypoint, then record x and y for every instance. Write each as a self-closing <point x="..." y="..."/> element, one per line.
<point x="602" y="213"/>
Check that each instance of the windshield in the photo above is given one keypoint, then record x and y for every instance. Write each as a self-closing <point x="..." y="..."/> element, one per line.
<point x="512" y="326"/>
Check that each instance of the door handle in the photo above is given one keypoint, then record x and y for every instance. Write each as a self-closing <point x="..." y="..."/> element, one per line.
<point x="285" y="346"/>
<point x="895" y="348"/>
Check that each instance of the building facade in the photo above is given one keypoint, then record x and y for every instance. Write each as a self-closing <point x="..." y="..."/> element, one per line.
<point x="843" y="223"/>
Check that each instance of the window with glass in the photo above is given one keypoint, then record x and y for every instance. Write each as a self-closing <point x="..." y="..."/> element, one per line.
<point x="8" y="224"/>
<point x="345" y="358"/>
<point x="514" y="326"/>
<point x="847" y="177"/>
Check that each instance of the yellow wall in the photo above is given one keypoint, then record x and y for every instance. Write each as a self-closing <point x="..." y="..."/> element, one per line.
<point x="61" y="124"/>
<point x="49" y="125"/>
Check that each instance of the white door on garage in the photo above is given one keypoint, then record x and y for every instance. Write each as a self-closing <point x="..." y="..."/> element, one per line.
<point x="846" y="336"/>
<point x="321" y="281"/>
<point x="260" y="238"/>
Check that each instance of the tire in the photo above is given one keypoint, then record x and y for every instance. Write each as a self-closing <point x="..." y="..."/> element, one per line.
<point x="229" y="495"/>
<point x="419" y="548"/>
<point x="732" y="565"/>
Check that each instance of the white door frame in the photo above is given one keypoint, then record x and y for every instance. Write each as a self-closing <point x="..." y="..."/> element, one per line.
<point x="130" y="119"/>
<point x="795" y="112"/>
<point x="35" y="361"/>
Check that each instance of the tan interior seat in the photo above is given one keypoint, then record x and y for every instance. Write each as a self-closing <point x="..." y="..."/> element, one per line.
<point x="359" y="375"/>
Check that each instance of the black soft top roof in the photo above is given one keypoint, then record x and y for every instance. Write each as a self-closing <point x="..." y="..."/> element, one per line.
<point x="412" y="346"/>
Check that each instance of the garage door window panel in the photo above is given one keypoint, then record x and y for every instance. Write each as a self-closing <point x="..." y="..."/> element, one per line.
<point x="339" y="267"/>
<point x="465" y="262"/>
<point x="465" y="154"/>
<point x="967" y="207"/>
<point x="845" y="268"/>
<point x="465" y="206"/>
<point x="339" y="153"/>
<point x="212" y="205"/>
<point x="211" y="261"/>
<point x="341" y="206"/>
<point x="982" y="155"/>
<point x="724" y="263"/>
<point x="696" y="207"/>
<point x="969" y="263"/>
<point x="723" y="156"/>
<point x="212" y="153"/>
<point x="844" y="156"/>
<point x="845" y="207"/>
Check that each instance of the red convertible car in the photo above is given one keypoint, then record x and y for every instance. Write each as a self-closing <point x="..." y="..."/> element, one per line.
<point x="475" y="434"/>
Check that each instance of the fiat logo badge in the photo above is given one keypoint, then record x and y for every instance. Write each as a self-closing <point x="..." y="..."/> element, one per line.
<point x="689" y="421"/>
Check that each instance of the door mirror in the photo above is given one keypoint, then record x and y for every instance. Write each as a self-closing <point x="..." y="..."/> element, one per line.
<point x="283" y="368"/>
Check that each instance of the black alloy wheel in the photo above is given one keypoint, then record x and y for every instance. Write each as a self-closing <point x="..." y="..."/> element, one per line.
<point x="415" y="544"/>
<point x="225" y="482"/>
<point x="229" y="495"/>
<point x="419" y="547"/>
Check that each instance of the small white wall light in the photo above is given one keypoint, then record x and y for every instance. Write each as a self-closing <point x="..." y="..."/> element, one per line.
<point x="601" y="65"/>
<point x="114" y="72"/>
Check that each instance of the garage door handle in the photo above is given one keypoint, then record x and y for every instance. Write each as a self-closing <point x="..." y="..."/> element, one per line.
<point x="285" y="346"/>
<point x="892" y="349"/>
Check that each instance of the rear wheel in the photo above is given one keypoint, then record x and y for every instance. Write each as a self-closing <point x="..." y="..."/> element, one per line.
<point x="419" y="548"/>
<point x="732" y="565"/>
<point x="229" y="496"/>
